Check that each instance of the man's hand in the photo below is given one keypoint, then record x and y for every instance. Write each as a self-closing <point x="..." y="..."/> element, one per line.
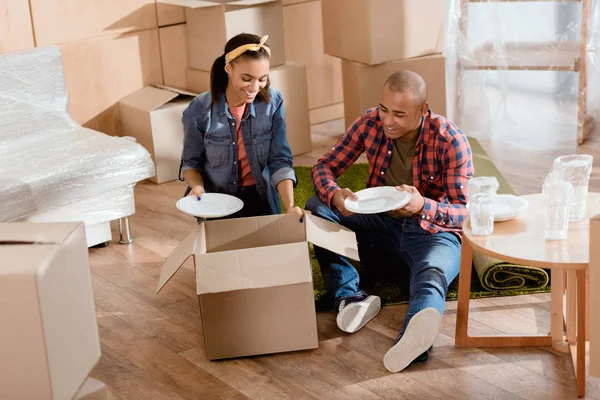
<point x="338" y="201"/>
<point x="197" y="191"/>
<point x="416" y="203"/>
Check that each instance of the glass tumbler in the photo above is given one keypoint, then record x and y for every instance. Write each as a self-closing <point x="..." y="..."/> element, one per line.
<point x="558" y="200"/>
<point x="481" y="191"/>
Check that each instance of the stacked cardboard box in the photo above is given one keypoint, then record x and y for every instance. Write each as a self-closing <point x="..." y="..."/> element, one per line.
<point x="49" y="338"/>
<point x="209" y="25"/>
<point x="375" y="38"/>
<point x="153" y="114"/>
<point x="303" y="34"/>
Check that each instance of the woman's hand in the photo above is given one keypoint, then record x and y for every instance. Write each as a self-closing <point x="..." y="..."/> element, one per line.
<point x="197" y="191"/>
<point x="194" y="180"/>
<point x="296" y="210"/>
<point x="286" y="194"/>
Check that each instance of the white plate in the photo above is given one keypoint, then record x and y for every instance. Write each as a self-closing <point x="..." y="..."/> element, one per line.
<point x="377" y="200"/>
<point x="212" y="205"/>
<point x="508" y="206"/>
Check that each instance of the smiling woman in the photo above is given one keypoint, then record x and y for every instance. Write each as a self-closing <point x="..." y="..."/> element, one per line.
<point x="235" y="135"/>
<point x="243" y="71"/>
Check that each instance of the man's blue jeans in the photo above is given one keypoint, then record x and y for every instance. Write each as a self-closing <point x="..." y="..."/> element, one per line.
<point x="433" y="259"/>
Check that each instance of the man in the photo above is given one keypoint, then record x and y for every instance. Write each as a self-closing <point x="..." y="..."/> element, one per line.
<point x="417" y="151"/>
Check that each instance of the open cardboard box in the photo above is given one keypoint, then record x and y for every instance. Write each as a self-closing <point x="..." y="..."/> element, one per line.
<point x="49" y="339"/>
<point x="153" y="115"/>
<point x="254" y="281"/>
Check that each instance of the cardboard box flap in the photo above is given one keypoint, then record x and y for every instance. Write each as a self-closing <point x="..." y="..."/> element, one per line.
<point x="176" y="90"/>
<point x="149" y="98"/>
<point x="193" y="244"/>
<point x="92" y="389"/>
<point x="210" y="3"/>
<point x="41" y="233"/>
<point x="192" y="3"/>
<point x="250" y="2"/>
<point x="331" y="236"/>
<point x="242" y="233"/>
<point x="259" y="267"/>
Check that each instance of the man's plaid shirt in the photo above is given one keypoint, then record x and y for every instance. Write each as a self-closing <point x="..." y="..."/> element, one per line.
<point x="442" y="165"/>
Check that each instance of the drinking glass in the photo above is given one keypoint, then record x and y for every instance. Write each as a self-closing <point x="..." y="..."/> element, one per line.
<point x="481" y="191"/>
<point x="558" y="200"/>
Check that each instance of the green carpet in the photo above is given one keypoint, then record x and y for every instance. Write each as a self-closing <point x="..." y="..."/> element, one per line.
<point x="392" y="286"/>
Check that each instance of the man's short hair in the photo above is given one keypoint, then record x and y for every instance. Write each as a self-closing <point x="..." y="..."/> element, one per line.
<point x="408" y="81"/>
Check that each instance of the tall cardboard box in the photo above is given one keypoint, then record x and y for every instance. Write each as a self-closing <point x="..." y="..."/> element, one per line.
<point x="210" y="24"/>
<point x="290" y="80"/>
<point x="363" y="83"/>
<point x="198" y="81"/>
<point x="378" y="31"/>
<point x="49" y="336"/>
<point x="304" y="45"/>
<point x="174" y="55"/>
<point x="254" y="281"/>
<point x="152" y="115"/>
<point x="60" y="21"/>
<point x="16" y="32"/>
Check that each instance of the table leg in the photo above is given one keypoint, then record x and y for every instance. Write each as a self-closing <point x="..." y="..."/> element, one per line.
<point x="587" y="304"/>
<point x="571" y="314"/>
<point x="581" y="324"/>
<point x="556" y="303"/>
<point x="464" y="292"/>
<point x="463" y="339"/>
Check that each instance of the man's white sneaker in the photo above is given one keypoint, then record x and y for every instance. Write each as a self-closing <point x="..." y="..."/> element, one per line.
<point x="420" y="334"/>
<point x="353" y="314"/>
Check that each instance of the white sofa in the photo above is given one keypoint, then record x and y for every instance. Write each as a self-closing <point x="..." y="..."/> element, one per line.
<point x="51" y="168"/>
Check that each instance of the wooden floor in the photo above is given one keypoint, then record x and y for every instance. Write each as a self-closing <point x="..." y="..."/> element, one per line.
<point x="153" y="345"/>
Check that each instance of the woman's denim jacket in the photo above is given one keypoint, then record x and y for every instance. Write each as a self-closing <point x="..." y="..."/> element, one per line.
<point x="209" y="145"/>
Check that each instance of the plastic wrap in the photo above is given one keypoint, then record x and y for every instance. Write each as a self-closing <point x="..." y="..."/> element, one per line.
<point x="48" y="161"/>
<point x="524" y="71"/>
<point x="94" y="210"/>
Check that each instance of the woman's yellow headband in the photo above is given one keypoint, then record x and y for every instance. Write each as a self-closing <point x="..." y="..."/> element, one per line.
<point x="235" y="53"/>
